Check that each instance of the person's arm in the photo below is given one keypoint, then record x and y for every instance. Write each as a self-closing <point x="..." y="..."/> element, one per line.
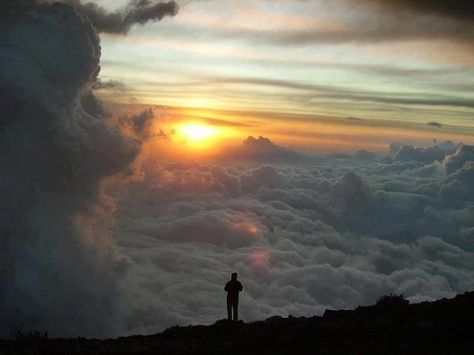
<point x="240" y="287"/>
<point x="226" y="288"/>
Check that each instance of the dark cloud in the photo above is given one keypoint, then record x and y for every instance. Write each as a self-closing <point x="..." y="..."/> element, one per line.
<point x="263" y="176"/>
<point x="363" y="154"/>
<point x="228" y="123"/>
<point x="354" y="119"/>
<point x="141" y="125"/>
<point x="59" y="268"/>
<point x="366" y="21"/>
<point x="461" y="9"/>
<point x="410" y="153"/>
<point x="121" y="21"/>
<point x="370" y="25"/>
<point x="434" y="124"/>
<point x="262" y="149"/>
<point x="316" y="92"/>
<point x="460" y="184"/>
<point x="212" y="120"/>
<point x="393" y="31"/>
<point x="110" y="85"/>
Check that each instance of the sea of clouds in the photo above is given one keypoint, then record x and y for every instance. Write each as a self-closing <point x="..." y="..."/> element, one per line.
<point x="329" y="232"/>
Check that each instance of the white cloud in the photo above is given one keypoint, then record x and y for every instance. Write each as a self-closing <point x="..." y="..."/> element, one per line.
<point x="330" y="233"/>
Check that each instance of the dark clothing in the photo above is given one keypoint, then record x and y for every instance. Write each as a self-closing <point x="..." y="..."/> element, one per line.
<point x="233" y="305"/>
<point x="233" y="287"/>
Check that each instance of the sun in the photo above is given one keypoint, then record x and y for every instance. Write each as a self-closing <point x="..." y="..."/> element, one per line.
<point x="198" y="138"/>
<point x="197" y="133"/>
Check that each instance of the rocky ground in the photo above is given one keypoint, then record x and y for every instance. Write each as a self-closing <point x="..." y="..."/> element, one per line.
<point x="442" y="327"/>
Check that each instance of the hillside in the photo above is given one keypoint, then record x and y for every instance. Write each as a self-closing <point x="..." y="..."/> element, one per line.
<point x="441" y="327"/>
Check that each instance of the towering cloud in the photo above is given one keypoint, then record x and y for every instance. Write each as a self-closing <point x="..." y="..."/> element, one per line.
<point x="120" y="22"/>
<point x="58" y="265"/>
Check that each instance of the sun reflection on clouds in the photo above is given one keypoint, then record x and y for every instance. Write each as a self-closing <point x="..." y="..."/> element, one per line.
<point x="259" y="262"/>
<point x="249" y="228"/>
<point x="244" y="224"/>
<point x="260" y="259"/>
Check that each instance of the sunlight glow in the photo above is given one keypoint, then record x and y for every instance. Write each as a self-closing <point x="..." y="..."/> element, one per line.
<point x="198" y="132"/>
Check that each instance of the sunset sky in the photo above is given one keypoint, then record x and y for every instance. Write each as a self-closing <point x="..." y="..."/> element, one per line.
<point x="323" y="150"/>
<point x="315" y="75"/>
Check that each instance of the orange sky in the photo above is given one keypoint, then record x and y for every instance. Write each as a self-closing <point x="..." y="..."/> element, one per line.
<point x="296" y="71"/>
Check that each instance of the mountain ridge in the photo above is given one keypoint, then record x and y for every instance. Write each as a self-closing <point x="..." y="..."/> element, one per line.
<point x="440" y="327"/>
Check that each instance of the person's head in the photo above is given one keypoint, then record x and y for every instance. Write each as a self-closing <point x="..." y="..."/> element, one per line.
<point x="234" y="276"/>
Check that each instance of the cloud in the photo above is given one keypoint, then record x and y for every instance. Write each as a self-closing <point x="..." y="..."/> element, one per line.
<point x="137" y="12"/>
<point x="110" y="84"/>
<point x="59" y="265"/>
<point x="460" y="9"/>
<point x="264" y="176"/>
<point x="354" y="119"/>
<point x="141" y="125"/>
<point x="434" y="124"/>
<point x="330" y="233"/>
<point x="410" y="153"/>
<point x="262" y="149"/>
<point x="361" y="22"/>
<point x="363" y="154"/>
<point x="460" y="184"/>
<point x="375" y="21"/>
<point x="462" y="155"/>
<point x="314" y="92"/>
<point x="353" y="191"/>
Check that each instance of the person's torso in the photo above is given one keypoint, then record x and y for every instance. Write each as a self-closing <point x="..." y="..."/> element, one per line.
<point x="233" y="289"/>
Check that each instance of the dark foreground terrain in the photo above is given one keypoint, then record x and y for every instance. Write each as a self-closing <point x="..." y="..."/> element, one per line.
<point x="442" y="327"/>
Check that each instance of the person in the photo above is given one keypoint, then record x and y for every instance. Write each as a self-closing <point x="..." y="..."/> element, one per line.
<point x="233" y="287"/>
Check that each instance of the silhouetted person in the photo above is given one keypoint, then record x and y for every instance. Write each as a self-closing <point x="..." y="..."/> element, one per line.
<point x="233" y="287"/>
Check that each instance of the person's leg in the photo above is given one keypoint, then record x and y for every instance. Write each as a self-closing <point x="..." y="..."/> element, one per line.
<point x="229" y="309"/>
<point x="236" y="309"/>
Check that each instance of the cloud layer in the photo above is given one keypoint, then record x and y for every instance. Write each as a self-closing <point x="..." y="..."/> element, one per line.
<point x="334" y="232"/>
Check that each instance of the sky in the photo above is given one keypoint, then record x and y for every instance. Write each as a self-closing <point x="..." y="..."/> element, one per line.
<point x="323" y="150"/>
<point x="296" y="71"/>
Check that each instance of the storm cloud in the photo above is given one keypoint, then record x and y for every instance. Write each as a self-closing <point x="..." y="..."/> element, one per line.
<point x="59" y="265"/>
<point x="137" y="12"/>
